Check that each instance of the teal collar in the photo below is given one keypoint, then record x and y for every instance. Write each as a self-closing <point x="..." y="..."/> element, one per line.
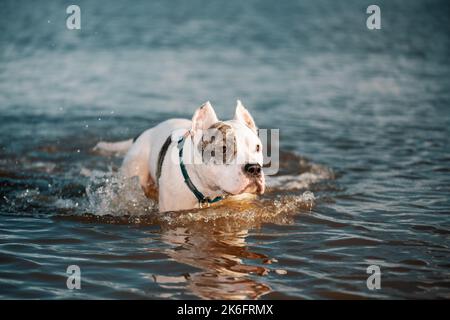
<point x="200" y="196"/>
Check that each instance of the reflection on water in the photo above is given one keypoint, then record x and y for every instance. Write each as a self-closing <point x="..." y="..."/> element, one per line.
<point x="223" y="260"/>
<point x="229" y="269"/>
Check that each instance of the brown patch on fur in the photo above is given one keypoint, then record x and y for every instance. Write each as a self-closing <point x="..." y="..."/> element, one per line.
<point x="222" y="127"/>
<point x="226" y="131"/>
<point x="150" y="189"/>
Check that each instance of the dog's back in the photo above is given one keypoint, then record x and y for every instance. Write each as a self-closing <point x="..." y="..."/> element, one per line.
<point x="146" y="148"/>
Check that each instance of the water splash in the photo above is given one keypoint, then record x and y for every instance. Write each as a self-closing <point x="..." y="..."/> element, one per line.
<point x="114" y="199"/>
<point x="108" y="193"/>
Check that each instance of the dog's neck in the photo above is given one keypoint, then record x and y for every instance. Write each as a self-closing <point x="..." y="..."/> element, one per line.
<point x="205" y="184"/>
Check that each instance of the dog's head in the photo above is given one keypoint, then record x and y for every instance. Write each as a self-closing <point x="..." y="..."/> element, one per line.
<point x="230" y="151"/>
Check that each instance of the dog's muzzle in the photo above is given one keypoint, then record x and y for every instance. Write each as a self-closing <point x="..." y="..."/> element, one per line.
<point x="255" y="174"/>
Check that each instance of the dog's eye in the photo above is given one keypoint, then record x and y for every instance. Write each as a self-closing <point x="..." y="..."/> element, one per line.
<point x="213" y="153"/>
<point x="258" y="147"/>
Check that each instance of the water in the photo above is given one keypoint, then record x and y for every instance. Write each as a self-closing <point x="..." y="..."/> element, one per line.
<point x="364" y="122"/>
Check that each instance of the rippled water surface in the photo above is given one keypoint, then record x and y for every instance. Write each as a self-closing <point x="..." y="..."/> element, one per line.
<point x="364" y="121"/>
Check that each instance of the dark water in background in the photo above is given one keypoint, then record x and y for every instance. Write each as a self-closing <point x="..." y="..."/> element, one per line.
<point x="369" y="109"/>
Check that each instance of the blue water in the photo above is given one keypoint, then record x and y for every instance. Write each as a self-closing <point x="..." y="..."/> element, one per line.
<point x="363" y="115"/>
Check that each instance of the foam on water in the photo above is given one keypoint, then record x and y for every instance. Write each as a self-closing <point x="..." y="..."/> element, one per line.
<point x="303" y="180"/>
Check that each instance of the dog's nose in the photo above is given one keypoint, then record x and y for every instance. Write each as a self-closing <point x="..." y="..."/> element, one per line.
<point x="252" y="169"/>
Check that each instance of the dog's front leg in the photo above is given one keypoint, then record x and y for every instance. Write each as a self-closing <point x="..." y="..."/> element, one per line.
<point x="173" y="193"/>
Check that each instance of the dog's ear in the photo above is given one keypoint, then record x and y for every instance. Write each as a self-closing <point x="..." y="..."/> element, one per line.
<point x="244" y="116"/>
<point x="204" y="117"/>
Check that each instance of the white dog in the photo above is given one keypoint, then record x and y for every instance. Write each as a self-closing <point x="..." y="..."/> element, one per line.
<point x="188" y="164"/>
